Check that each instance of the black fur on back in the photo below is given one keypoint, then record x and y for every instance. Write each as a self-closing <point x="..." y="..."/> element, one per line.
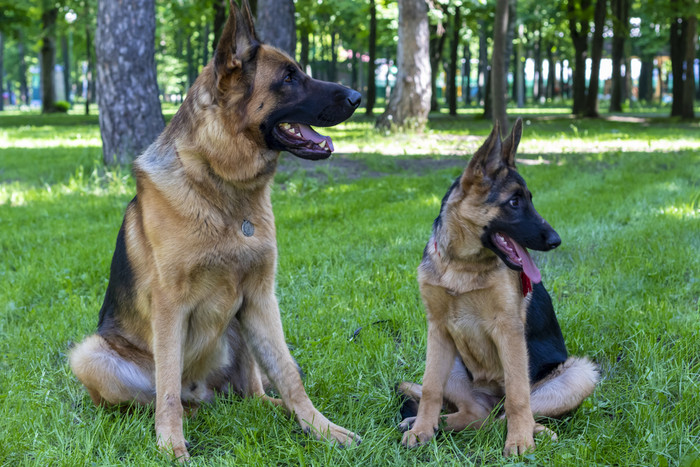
<point x="545" y="343"/>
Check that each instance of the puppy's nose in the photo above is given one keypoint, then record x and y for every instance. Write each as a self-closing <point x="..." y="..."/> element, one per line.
<point x="553" y="240"/>
<point x="354" y="98"/>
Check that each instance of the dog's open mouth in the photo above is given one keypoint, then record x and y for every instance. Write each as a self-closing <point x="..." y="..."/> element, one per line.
<point x="516" y="257"/>
<point x="303" y="141"/>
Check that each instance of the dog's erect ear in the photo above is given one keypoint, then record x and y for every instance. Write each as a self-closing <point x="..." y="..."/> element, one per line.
<point x="485" y="161"/>
<point x="236" y="39"/>
<point x="510" y="144"/>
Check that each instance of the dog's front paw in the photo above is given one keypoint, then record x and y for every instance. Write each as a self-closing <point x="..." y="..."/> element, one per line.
<point x="177" y="449"/>
<point x="518" y="443"/>
<point x="332" y="432"/>
<point x="417" y="436"/>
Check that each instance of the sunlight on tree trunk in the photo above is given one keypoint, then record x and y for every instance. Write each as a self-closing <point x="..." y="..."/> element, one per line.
<point x="130" y="113"/>
<point x="409" y="104"/>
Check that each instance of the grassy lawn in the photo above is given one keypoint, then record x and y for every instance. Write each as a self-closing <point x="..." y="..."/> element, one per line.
<point x="623" y="193"/>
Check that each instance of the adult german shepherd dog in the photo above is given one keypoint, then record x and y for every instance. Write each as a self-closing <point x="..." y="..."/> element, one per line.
<point x="190" y="308"/>
<point x="492" y="331"/>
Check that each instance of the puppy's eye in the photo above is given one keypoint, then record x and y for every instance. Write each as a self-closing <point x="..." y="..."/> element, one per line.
<point x="514" y="202"/>
<point x="288" y="78"/>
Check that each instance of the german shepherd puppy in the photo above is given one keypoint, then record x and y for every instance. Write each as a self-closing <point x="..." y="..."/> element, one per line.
<point x="492" y="331"/>
<point x="190" y="308"/>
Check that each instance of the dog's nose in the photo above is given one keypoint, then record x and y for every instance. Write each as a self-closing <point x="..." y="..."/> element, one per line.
<point x="354" y="98"/>
<point x="553" y="240"/>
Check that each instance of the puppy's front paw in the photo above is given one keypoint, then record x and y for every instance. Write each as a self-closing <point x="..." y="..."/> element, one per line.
<point x="177" y="449"/>
<point x="518" y="443"/>
<point x="417" y="436"/>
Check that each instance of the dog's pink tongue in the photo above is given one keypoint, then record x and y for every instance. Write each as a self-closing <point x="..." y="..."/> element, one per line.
<point x="529" y="267"/>
<point x="308" y="133"/>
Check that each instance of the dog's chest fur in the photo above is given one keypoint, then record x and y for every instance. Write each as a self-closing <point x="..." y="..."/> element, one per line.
<point x="474" y="316"/>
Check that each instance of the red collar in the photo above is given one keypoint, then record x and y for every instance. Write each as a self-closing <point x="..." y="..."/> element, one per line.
<point x="526" y="283"/>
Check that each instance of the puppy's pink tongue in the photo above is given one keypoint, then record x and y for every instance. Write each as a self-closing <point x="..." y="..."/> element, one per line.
<point x="529" y="267"/>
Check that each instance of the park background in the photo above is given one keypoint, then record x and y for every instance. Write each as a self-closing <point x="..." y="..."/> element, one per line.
<point x="613" y="163"/>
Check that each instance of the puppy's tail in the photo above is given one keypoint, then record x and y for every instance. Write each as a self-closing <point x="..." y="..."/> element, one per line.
<point x="565" y="388"/>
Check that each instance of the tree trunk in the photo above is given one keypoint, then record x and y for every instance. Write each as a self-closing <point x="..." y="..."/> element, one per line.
<point x="691" y="40"/>
<point x="333" y="72"/>
<point x="436" y="46"/>
<point x="48" y="58"/>
<point x="579" y="28"/>
<point x="2" y="71"/>
<point x="90" y="77"/>
<point x="677" y="45"/>
<point x="483" y="64"/>
<point x="539" y="84"/>
<point x="498" y="64"/>
<point x="409" y="104"/>
<point x="551" y="78"/>
<point x="130" y="113"/>
<point x="452" y="75"/>
<point x="205" y="45"/>
<point x="466" y="75"/>
<point x="219" y="21"/>
<point x="275" y="24"/>
<point x="520" y="74"/>
<point x="591" y="109"/>
<point x="646" y="75"/>
<point x="620" y="13"/>
<point x="66" y="67"/>
<point x="304" y="39"/>
<point x="371" y="79"/>
<point x="23" y="88"/>
<point x="488" y="101"/>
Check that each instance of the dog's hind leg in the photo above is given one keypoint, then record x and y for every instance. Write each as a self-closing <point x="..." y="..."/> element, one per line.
<point x="564" y="388"/>
<point x="110" y="378"/>
<point x="472" y="407"/>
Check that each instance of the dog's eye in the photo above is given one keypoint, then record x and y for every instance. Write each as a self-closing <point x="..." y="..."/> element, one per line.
<point x="288" y="78"/>
<point x="514" y="202"/>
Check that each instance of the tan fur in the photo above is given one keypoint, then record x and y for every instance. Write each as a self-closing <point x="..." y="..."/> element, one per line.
<point x="205" y="315"/>
<point x="476" y="317"/>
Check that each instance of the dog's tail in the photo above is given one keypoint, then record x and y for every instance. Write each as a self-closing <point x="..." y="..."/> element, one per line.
<point x="564" y="388"/>
<point x="108" y="377"/>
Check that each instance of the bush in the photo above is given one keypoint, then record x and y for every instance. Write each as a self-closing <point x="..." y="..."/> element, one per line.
<point x="62" y="106"/>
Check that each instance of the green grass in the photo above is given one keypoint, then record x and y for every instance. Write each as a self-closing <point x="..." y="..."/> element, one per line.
<point x="624" y="196"/>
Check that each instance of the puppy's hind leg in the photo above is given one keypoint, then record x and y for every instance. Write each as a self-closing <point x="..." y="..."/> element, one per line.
<point x="110" y="378"/>
<point x="564" y="388"/>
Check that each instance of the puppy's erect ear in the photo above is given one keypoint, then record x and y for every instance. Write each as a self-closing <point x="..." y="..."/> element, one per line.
<point x="486" y="160"/>
<point x="510" y="144"/>
<point x="237" y="38"/>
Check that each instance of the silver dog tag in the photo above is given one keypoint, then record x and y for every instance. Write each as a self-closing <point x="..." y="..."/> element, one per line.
<point x="247" y="228"/>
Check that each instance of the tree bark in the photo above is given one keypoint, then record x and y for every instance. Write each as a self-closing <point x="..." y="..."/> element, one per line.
<point x="2" y="71"/>
<point x="452" y="75"/>
<point x="498" y="64"/>
<point x="483" y="64"/>
<point x="691" y="41"/>
<point x="677" y="46"/>
<point x="591" y="109"/>
<point x="467" y="75"/>
<point x="371" y="79"/>
<point x="304" y="39"/>
<point x="130" y="112"/>
<point x="275" y="24"/>
<point x="409" y="104"/>
<point x="23" y="88"/>
<point x="436" y="47"/>
<point x="539" y="83"/>
<point x="620" y="14"/>
<point x="579" y="28"/>
<point x="220" y="10"/>
<point x="90" y="65"/>
<point x="645" y="79"/>
<point x="48" y="57"/>
<point x="66" y="67"/>
<point x="551" y="78"/>
<point x="333" y="71"/>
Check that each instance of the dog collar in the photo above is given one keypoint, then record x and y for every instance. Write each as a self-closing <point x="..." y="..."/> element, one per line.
<point x="526" y="283"/>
